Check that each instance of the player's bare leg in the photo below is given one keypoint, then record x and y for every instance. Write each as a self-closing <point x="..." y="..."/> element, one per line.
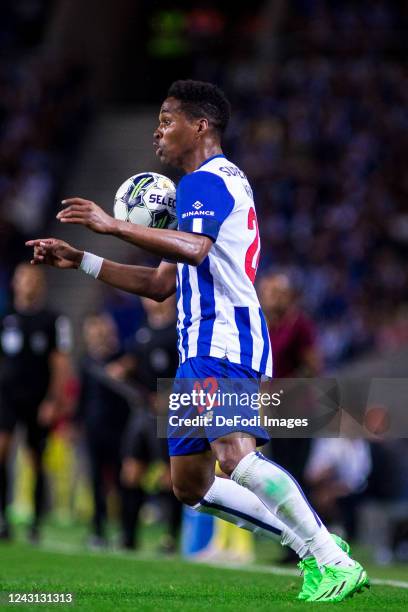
<point x="192" y="476"/>
<point x="196" y="485"/>
<point x="230" y="449"/>
<point x="279" y="492"/>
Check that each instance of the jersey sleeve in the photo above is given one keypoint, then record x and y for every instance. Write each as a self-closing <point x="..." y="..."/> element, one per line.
<point x="203" y="203"/>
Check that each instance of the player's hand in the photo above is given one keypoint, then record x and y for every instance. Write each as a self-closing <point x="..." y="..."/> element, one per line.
<point x="56" y="253"/>
<point x="85" y="212"/>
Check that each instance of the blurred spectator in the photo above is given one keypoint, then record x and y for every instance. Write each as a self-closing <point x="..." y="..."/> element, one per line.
<point x="125" y="309"/>
<point x="292" y="332"/>
<point x="44" y="107"/>
<point x="337" y="485"/>
<point x="103" y="412"/>
<point x="384" y="516"/>
<point x="322" y="134"/>
<point x="34" y="367"/>
<point x="295" y="355"/>
<point x="151" y="355"/>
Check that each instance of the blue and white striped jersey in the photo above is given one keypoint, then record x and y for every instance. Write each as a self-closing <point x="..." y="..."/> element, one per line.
<point x="218" y="309"/>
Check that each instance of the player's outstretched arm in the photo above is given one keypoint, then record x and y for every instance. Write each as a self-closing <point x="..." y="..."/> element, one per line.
<point x="155" y="283"/>
<point x="55" y="253"/>
<point x="177" y="246"/>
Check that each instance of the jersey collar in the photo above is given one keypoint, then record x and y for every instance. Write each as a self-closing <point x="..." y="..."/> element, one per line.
<point x="210" y="158"/>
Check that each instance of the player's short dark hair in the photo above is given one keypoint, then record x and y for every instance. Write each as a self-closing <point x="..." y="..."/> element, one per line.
<point x="200" y="99"/>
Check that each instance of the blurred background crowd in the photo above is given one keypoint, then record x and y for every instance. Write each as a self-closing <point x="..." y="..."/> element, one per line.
<point x="320" y="126"/>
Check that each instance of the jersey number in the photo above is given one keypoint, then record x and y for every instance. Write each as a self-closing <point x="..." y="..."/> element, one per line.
<point x="209" y="387"/>
<point x="250" y="269"/>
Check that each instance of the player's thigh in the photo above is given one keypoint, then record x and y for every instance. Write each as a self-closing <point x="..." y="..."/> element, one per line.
<point x="230" y="449"/>
<point x="192" y="476"/>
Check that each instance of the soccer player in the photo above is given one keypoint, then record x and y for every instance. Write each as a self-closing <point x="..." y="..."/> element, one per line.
<point x="221" y="329"/>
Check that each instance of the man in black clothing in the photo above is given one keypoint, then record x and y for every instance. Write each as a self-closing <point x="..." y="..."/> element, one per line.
<point x="34" y="365"/>
<point x="152" y="354"/>
<point x="103" y="412"/>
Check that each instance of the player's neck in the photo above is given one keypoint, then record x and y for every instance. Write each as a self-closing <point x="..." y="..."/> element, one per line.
<point x="200" y="154"/>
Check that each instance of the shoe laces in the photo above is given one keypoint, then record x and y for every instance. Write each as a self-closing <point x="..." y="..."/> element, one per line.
<point x="331" y="572"/>
<point x="304" y="564"/>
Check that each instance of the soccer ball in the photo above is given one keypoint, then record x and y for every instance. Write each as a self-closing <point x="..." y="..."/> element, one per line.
<point x="147" y="199"/>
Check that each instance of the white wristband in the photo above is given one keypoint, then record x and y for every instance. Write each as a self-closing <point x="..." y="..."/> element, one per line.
<point x="91" y="264"/>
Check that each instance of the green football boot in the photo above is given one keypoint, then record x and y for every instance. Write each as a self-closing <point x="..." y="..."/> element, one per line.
<point x="337" y="583"/>
<point x="312" y="575"/>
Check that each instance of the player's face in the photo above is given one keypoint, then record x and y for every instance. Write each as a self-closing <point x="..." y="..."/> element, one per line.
<point x="176" y="135"/>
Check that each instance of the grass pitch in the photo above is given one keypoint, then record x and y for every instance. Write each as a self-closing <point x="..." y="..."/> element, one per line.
<point x="111" y="581"/>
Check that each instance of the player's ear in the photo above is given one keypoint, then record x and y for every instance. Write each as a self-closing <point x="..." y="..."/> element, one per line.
<point x="202" y="125"/>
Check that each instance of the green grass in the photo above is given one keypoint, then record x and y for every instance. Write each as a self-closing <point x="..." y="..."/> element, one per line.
<point x="115" y="582"/>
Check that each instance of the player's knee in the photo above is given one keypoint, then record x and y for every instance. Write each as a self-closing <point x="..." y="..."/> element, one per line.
<point x="188" y="495"/>
<point x="227" y="464"/>
<point x="230" y="450"/>
<point x="228" y="458"/>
